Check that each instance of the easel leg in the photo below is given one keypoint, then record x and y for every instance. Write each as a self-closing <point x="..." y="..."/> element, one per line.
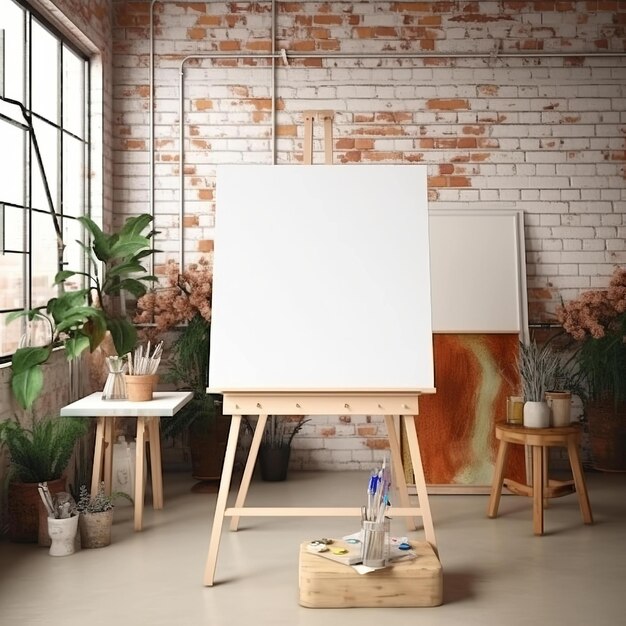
<point x="250" y="463"/>
<point x="420" y="481"/>
<point x="398" y="470"/>
<point x="155" y="462"/>
<point x="222" y="498"/>
<point x="98" y="456"/>
<point x="140" y="452"/>
<point x="109" y="429"/>
<point x="498" y="479"/>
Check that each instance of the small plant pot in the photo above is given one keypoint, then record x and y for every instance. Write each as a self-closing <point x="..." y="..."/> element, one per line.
<point x="139" y="388"/>
<point x="62" y="535"/>
<point x="95" y="529"/>
<point x="536" y="415"/>
<point x="274" y="462"/>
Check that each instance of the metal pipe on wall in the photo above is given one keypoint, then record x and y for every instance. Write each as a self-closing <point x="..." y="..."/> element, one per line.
<point x="285" y="55"/>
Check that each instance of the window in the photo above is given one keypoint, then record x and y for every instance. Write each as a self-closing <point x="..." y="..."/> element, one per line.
<point x="42" y="71"/>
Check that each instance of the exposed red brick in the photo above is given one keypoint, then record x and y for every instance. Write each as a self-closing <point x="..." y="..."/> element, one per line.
<point x="429" y="20"/>
<point x="320" y="33"/>
<point x="366" y="431"/>
<point x="353" y="156"/>
<point x="209" y="20"/>
<point x="287" y="130"/>
<point x="447" y="104"/>
<point x="487" y="142"/>
<point x="540" y="293"/>
<point x="123" y="131"/>
<point x="488" y="90"/>
<point x="361" y="118"/>
<point x="196" y="33"/>
<point x="446" y="168"/>
<point x="344" y="143"/>
<point x="290" y="7"/>
<point x="427" y="143"/>
<point x="412" y="7"/>
<point x="437" y="181"/>
<point x="377" y="444"/>
<point x="304" y="45"/>
<point x="261" y="104"/>
<point x="203" y="144"/>
<point x="229" y="46"/>
<point x="203" y="104"/>
<point x="191" y="220"/>
<point x="473" y="130"/>
<point x="205" y="194"/>
<point x="134" y="144"/>
<point x="459" y="181"/>
<point x="205" y="245"/>
<point x="414" y="158"/>
<point x="327" y="19"/>
<point x="260" y="116"/>
<point x="427" y="44"/>
<point x="385" y="31"/>
<point x="374" y="155"/>
<point x="364" y="144"/>
<point x="193" y="130"/>
<point x="618" y="156"/>
<point x="363" y="32"/>
<point x="328" y="431"/>
<point x="262" y="45"/>
<point x="329" y="44"/>
<point x="480" y="156"/>
<point x="383" y="131"/>
<point x="480" y="18"/>
<point x="303" y="20"/>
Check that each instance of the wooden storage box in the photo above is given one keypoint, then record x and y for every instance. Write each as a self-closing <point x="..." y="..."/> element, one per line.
<point x="326" y="584"/>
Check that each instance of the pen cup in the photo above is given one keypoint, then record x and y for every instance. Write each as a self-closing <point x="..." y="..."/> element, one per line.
<point x="375" y="546"/>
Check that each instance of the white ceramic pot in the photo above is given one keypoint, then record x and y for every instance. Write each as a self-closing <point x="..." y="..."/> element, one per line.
<point x="62" y="535"/>
<point x="536" y="415"/>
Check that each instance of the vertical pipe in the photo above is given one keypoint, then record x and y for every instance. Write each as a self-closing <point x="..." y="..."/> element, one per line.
<point x="273" y="83"/>
<point x="151" y="139"/>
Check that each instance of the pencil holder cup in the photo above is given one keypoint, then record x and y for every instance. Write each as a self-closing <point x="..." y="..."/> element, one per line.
<point x="139" y="388"/>
<point x="375" y="546"/>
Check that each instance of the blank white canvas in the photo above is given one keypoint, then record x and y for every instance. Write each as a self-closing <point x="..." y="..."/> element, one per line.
<point x="321" y="279"/>
<point x="478" y="271"/>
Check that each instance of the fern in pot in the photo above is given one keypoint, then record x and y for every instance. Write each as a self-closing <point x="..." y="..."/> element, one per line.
<point x="539" y="368"/>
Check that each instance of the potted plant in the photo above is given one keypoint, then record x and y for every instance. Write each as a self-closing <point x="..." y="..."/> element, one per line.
<point x="538" y="369"/>
<point x="275" y="449"/>
<point x="186" y="302"/>
<point x="80" y="319"/>
<point x="38" y="454"/>
<point x="597" y="321"/>
<point x="96" y="516"/>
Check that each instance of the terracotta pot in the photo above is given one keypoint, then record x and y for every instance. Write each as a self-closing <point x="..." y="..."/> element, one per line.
<point x="95" y="529"/>
<point x="27" y="514"/>
<point x="607" y="431"/>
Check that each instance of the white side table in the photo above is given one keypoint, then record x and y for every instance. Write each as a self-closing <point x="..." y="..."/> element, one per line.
<point x="148" y="414"/>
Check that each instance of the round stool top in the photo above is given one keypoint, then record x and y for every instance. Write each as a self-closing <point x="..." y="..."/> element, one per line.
<point x="537" y="436"/>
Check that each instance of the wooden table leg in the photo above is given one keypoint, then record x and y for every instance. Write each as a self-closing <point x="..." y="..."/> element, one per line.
<point x="109" y="436"/>
<point x="98" y="457"/>
<point x="546" y="481"/>
<point x="537" y="453"/>
<point x="420" y="481"/>
<point x="140" y="451"/>
<point x="155" y="462"/>
<point x="579" y="480"/>
<point x="249" y="469"/>
<point x="498" y="479"/>
<point x="222" y="499"/>
<point x="398" y="470"/>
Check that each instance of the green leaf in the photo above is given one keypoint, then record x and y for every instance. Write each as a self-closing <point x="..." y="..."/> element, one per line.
<point x="145" y="253"/>
<point x="101" y="243"/>
<point x="124" y="335"/>
<point x="128" y="246"/>
<point x="95" y="328"/>
<point x="63" y="276"/>
<point x="27" y="385"/>
<point x="133" y="286"/>
<point x="30" y="313"/>
<point x="135" y="225"/>
<point x="75" y="345"/>
<point x="26" y="358"/>
<point x="129" y="267"/>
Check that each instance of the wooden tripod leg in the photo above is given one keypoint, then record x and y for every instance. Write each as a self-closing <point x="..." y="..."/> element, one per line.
<point x="222" y="498"/>
<point x="98" y="457"/>
<point x="307" y="157"/>
<point x="498" y="479"/>
<point x="247" y="473"/>
<point x="140" y="451"/>
<point x="398" y="469"/>
<point x="420" y="481"/>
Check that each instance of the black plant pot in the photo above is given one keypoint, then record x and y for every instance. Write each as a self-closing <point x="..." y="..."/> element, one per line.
<point x="274" y="462"/>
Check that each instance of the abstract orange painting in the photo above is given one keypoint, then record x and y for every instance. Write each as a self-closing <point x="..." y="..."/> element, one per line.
<point x="474" y="374"/>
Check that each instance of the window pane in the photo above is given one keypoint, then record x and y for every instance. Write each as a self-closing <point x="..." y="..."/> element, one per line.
<point x="73" y="176"/>
<point x="48" y="139"/>
<point x="45" y="73"/>
<point x="9" y="335"/>
<point x="12" y="281"/>
<point x="12" y="163"/>
<point x="74" y="255"/>
<point x="12" y="22"/>
<point x="73" y="93"/>
<point x="44" y="259"/>
<point x="14" y="228"/>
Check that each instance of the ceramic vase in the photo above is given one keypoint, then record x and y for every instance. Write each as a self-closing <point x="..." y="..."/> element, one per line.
<point x="62" y="535"/>
<point x="536" y="415"/>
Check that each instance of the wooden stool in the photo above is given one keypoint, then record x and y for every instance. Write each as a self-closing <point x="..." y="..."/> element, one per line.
<point x="542" y="488"/>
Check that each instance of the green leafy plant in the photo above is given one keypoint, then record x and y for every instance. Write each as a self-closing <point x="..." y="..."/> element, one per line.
<point x="100" y="502"/>
<point x="280" y="430"/>
<point x="80" y="319"/>
<point x="43" y="452"/>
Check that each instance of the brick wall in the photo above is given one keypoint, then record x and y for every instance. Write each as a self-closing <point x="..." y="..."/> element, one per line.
<point x="544" y="134"/>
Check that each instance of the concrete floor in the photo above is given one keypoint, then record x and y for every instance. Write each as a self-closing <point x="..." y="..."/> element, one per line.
<point x="495" y="571"/>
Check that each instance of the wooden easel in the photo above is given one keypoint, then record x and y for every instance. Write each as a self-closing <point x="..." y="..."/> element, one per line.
<point x="384" y="403"/>
<point x="327" y="118"/>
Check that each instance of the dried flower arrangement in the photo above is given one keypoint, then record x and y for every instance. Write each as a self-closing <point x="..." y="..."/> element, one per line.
<point x="597" y="319"/>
